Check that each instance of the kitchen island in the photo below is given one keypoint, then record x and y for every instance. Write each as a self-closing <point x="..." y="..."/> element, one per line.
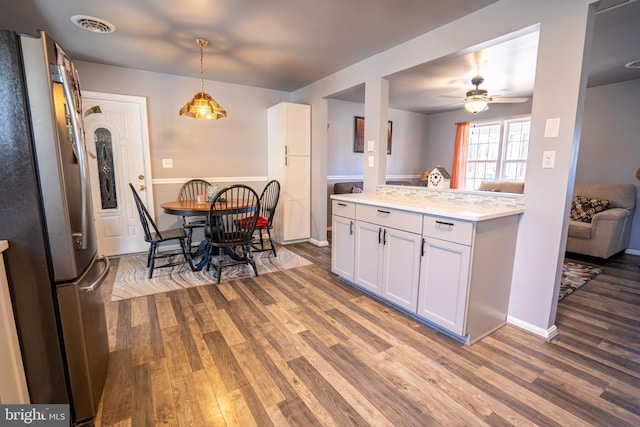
<point x="445" y="257"/>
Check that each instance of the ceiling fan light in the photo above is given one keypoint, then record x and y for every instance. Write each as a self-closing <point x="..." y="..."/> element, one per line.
<point x="476" y="105"/>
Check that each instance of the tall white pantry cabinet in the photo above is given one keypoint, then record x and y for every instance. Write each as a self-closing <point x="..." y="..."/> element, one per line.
<point x="289" y="161"/>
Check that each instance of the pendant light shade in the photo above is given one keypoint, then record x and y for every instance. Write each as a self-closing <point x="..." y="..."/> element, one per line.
<point x="202" y="105"/>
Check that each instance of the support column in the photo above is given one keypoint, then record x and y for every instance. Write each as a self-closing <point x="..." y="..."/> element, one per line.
<point x="376" y="110"/>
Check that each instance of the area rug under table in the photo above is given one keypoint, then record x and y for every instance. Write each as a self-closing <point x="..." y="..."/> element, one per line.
<point x="131" y="278"/>
<point x="574" y="276"/>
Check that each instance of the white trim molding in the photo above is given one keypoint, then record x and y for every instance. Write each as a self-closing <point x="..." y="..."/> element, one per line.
<point x="547" y="334"/>
<point x="360" y="177"/>
<point x="231" y="179"/>
<point x="319" y="243"/>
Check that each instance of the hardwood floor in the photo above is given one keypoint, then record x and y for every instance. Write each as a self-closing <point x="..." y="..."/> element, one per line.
<point x="301" y="348"/>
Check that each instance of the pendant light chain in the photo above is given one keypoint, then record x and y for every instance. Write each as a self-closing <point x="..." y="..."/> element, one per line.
<point x="202" y="44"/>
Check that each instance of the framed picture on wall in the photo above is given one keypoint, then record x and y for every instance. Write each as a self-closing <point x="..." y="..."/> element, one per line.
<point x="358" y="139"/>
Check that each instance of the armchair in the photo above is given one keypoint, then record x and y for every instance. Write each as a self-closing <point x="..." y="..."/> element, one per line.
<point x="608" y="232"/>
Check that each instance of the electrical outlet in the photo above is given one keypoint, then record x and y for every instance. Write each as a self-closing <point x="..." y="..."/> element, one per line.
<point x="370" y="161"/>
<point x="167" y="163"/>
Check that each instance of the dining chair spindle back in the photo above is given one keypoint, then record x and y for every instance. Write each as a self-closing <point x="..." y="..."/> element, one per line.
<point x="190" y="190"/>
<point x="155" y="236"/>
<point x="232" y="219"/>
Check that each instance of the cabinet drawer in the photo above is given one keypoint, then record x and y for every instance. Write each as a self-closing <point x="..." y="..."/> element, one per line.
<point x="346" y="209"/>
<point x="448" y="229"/>
<point x="394" y="218"/>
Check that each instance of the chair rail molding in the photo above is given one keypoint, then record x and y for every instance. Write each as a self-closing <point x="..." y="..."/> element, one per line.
<point x="216" y="179"/>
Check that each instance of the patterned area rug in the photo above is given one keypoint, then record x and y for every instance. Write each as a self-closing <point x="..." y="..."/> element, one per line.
<point x="574" y="276"/>
<point x="131" y="278"/>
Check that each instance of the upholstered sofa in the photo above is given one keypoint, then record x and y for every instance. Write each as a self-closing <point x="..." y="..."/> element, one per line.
<point x="502" y="186"/>
<point x="608" y="231"/>
<point x="356" y="186"/>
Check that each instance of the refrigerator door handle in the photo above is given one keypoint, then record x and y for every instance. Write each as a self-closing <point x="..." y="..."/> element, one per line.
<point x="96" y="283"/>
<point x="78" y="138"/>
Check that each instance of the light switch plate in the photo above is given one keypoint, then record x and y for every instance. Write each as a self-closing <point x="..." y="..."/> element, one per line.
<point x="548" y="159"/>
<point x="370" y="161"/>
<point x="552" y="128"/>
<point x="369" y="146"/>
<point x="167" y="163"/>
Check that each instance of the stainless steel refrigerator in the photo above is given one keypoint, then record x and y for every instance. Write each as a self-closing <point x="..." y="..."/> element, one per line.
<point x="46" y="215"/>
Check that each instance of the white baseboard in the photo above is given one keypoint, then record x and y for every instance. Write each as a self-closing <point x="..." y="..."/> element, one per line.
<point x="632" y="252"/>
<point x="547" y="334"/>
<point x="319" y="243"/>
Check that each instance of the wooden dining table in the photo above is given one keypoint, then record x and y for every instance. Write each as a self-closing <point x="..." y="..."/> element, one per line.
<point x="193" y="208"/>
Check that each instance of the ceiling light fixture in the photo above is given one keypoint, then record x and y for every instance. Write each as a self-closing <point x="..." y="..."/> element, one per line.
<point x="476" y="100"/>
<point x="202" y="105"/>
<point x="633" y="64"/>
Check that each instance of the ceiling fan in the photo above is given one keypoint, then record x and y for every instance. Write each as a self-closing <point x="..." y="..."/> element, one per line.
<point x="478" y="100"/>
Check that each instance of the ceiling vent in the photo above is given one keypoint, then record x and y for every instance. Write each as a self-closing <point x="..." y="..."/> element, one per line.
<point x="605" y="5"/>
<point x="95" y="25"/>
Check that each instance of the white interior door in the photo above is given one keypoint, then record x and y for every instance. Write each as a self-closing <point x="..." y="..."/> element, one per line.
<point x="118" y="144"/>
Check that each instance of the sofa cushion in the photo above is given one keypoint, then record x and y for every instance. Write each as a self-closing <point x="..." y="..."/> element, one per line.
<point x="579" y="229"/>
<point x="347" y="187"/>
<point x="584" y="208"/>
<point x="619" y="195"/>
<point x="502" y="186"/>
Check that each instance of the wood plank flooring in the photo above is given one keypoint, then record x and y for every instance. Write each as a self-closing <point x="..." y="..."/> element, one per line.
<point x="301" y="348"/>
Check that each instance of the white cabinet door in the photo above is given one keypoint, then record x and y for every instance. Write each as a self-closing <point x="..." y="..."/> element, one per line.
<point x="368" y="256"/>
<point x="298" y="129"/>
<point x="444" y="286"/>
<point x="342" y="246"/>
<point x="289" y="142"/>
<point x="296" y="200"/>
<point x="401" y="267"/>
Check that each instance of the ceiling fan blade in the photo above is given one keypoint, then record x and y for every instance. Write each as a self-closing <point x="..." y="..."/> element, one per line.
<point x="506" y="100"/>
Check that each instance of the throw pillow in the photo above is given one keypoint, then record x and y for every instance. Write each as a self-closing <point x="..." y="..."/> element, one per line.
<point x="583" y="208"/>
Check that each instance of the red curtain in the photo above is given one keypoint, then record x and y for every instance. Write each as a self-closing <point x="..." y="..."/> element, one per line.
<point x="458" y="174"/>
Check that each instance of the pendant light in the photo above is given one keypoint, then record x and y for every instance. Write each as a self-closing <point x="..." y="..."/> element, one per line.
<point x="202" y="105"/>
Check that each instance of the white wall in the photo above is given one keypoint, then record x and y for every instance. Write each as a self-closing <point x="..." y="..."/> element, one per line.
<point x="441" y="129"/>
<point x="408" y="148"/>
<point x="232" y="149"/>
<point x="565" y="29"/>
<point x="609" y="150"/>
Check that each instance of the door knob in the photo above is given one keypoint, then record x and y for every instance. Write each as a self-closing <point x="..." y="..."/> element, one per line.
<point x="143" y="187"/>
<point x="141" y="177"/>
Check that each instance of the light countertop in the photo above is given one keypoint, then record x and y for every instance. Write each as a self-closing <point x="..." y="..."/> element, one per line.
<point x="451" y="209"/>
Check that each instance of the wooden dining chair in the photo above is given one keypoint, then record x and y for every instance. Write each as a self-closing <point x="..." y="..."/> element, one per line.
<point x="154" y="237"/>
<point x="268" y="203"/>
<point x="189" y="191"/>
<point x="232" y="219"/>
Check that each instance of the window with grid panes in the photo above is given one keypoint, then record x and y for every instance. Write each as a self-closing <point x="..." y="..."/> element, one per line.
<point x="497" y="151"/>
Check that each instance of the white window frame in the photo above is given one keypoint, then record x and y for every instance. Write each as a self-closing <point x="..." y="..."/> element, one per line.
<point x="500" y="162"/>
